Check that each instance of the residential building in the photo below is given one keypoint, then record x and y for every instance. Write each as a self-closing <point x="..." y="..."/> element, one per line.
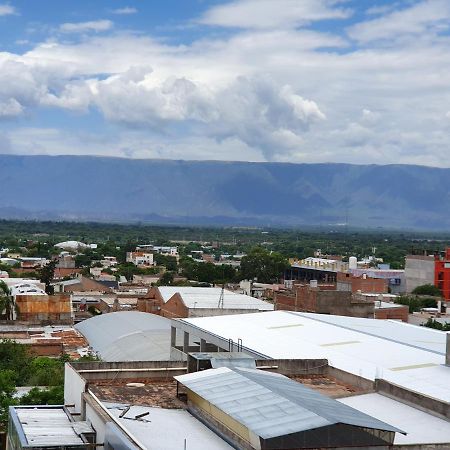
<point x="141" y="258"/>
<point x="394" y="277"/>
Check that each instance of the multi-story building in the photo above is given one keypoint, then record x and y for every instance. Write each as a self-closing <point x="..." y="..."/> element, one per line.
<point x="140" y="258"/>
<point x="442" y="274"/>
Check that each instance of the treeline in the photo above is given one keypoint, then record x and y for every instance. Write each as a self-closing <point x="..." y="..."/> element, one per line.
<point x="20" y="367"/>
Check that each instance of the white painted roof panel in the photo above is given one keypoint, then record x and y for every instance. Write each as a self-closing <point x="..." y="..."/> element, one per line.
<point x="407" y="355"/>
<point x="198" y="297"/>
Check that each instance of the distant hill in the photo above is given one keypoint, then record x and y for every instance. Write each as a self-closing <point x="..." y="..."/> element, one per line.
<point x="215" y="192"/>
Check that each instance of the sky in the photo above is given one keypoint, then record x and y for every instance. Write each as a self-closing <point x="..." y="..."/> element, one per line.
<point x="302" y="81"/>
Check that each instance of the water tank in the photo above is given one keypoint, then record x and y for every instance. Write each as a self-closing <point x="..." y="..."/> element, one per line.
<point x="352" y="262"/>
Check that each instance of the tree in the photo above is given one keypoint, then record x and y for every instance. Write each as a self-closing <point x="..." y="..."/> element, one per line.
<point x="265" y="266"/>
<point x="7" y="391"/>
<point x="7" y="303"/>
<point x="46" y="276"/>
<point x="427" y="289"/>
<point x="166" y="279"/>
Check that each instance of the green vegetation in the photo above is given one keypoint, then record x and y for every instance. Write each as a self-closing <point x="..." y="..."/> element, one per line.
<point x="7" y="305"/>
<point x="427" y="289"/>
<point x="19" y="367"/>
<point x="38" y="238"/>
<point x="263" y="265"/>
<point x="431" y="323"/>
<point x="415" y="303"/>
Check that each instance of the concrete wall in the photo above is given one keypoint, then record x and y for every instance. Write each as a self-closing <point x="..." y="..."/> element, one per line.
<point x="430" y="405"/>
<point x="138" y="369"/>
<point x="295" y="366"/>
<point x="74" y="386"/>
<point x="419" y="270"/>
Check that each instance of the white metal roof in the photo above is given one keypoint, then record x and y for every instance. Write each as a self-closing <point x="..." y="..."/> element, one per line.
<point x="404" y="354"/>
<point x="72" y="245"/>
<point x="167" y="428"/>
<point x="421" y="427"/>
<point x="208" y="297"/>
<point x="46" y="427"/>
<point x="128" y="336"/>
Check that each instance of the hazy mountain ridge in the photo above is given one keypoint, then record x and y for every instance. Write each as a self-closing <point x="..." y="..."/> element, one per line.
<point x="96" y="188"/>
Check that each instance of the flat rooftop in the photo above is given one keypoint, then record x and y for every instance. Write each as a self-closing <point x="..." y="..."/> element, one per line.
<point x="421" y="428"/>
<point x="169" y="429"/>
<point x="407" y="355"/>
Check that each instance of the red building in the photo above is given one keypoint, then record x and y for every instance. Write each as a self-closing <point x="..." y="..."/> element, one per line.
<point x="442" y="274"/>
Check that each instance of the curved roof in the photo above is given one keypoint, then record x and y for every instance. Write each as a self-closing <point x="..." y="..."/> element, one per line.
<point x="128" y="336"/>
<point x="71" y="245"/>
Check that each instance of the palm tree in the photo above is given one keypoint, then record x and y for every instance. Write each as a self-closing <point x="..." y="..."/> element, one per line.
<point x="7" y="303"/>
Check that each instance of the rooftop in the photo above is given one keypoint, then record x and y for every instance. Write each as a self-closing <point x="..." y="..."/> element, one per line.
<point x="208" y="297"/>
<point x="272" y="405"/>
<point x="166" y="428"/>
<point x="128" y="336"/>
<point x="47" y="426"/>
<point x="421" y="428"/>
<point x="403" y="354"/>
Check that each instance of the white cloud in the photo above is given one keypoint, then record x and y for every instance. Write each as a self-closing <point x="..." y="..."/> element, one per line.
<point x="272" y="14"/>
<point x="425" y="16"/>
<point x="10" y="108"/>
<point x="283" y="94"/>
<point x="125" y="10"/>
<point x="84" y="27"/>
<point x="7" y="10"/>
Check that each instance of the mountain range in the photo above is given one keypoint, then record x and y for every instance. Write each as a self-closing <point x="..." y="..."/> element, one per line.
<point x="223" y="193"/>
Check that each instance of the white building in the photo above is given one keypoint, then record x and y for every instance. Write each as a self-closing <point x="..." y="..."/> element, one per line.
<point x="140" y="258"/>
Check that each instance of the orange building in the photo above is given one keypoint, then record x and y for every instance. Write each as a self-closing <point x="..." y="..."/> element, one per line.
<point x="442" y="274"/>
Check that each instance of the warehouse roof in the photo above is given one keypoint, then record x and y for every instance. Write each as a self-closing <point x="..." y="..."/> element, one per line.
<point x="273" y="405"/>
<point x="128" y="336"/>
<point x="208" y="297"/>
<point x="406" y="355"/>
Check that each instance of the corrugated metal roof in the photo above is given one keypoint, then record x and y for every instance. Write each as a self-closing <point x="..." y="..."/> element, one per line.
<point x="128" y="336"/>
<point x="49" y="426"/>
<point x="198" y="297"/>
<point x="272" y="405"/>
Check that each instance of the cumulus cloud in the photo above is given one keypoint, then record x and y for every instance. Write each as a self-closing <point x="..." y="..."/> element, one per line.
<point x="255" y="110"/>
<point x="125" y="10"/>
<point x="270" y="14"/>
<point x="84" y="27"/>
<point x="7" y="10"/>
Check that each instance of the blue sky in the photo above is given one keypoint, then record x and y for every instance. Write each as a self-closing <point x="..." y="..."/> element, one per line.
<point x="255" y="80"/>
